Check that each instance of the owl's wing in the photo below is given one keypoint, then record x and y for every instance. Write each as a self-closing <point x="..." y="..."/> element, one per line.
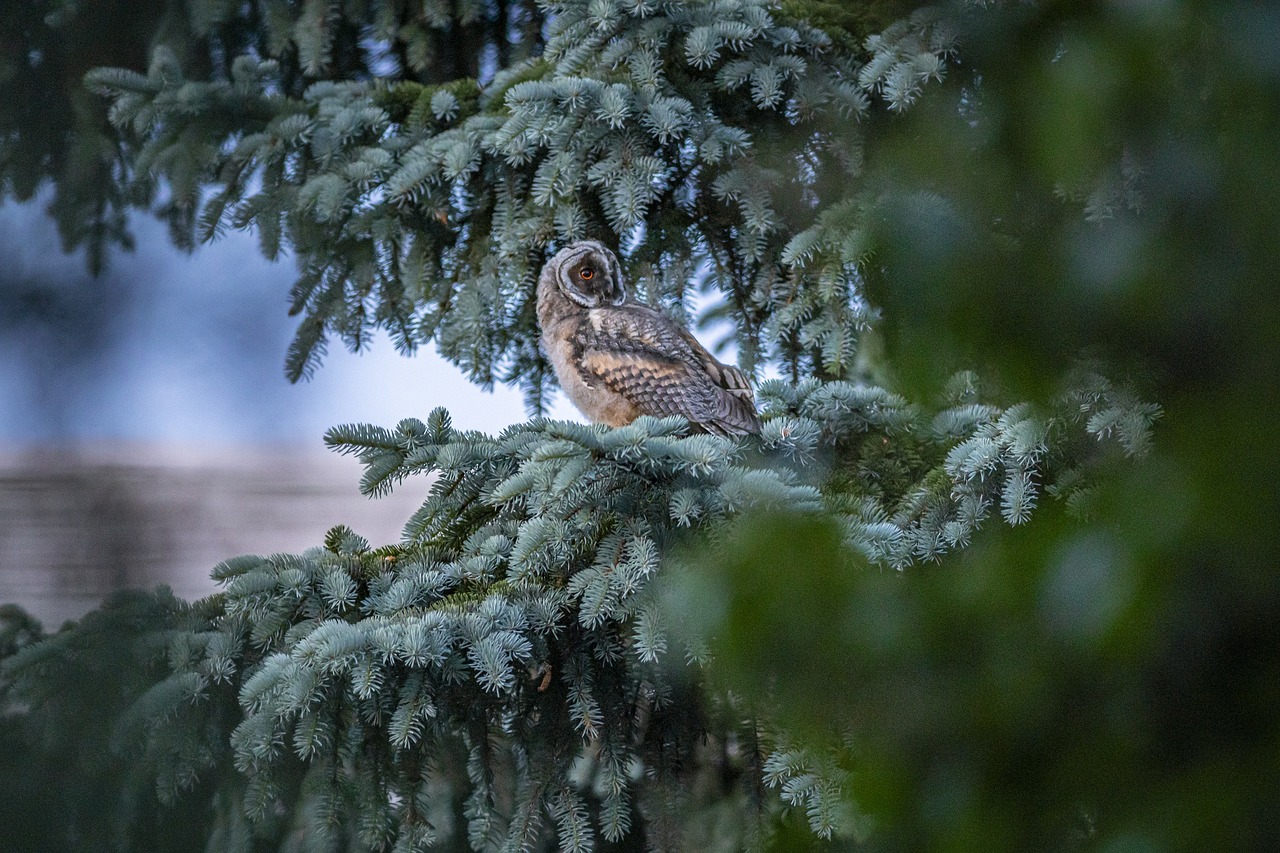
<point x="726" y="376"/>
<point x="662" y="370"/>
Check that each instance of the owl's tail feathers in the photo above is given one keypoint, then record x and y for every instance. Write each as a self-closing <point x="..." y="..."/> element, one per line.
<point x="730" y="427"/>
<point x="736" y="407"/>
<point x="735" y="415"/>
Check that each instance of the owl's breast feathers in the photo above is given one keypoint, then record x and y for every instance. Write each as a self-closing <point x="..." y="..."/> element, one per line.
<point x="656" y="366"/>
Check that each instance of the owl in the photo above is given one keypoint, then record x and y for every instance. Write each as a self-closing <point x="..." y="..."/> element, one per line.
<point x="618" y="359"/>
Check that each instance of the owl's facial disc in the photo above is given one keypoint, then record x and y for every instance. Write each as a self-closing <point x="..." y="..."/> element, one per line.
<point x="591" y="276"/>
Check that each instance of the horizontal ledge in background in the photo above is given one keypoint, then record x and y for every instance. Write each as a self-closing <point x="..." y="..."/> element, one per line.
<point x="77" y="523"/>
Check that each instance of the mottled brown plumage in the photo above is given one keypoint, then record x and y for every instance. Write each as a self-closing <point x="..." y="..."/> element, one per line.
<point x="618" y="359"/>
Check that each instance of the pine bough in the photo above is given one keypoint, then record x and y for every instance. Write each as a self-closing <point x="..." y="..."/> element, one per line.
<point x="504" y="675"/>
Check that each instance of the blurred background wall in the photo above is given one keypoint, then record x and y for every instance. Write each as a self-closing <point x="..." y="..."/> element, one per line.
<point x="147" y="430"/>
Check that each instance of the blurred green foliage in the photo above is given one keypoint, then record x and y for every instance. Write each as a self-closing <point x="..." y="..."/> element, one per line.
<point x="66" y="783"/>
<point x="1099" y="178"/>
<point x="53" y="131"/>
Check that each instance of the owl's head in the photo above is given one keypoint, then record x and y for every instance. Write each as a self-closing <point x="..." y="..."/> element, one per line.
<point x="589" y="274"/>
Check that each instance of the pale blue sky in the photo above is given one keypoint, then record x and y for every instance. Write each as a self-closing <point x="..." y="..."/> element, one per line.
<point x="196" y="353"/>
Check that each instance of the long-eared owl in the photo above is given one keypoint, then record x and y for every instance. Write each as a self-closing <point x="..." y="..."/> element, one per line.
<point x="618" y="359"/>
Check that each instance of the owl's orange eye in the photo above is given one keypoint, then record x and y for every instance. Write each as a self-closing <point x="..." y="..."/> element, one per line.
<point x="587" y="274"/>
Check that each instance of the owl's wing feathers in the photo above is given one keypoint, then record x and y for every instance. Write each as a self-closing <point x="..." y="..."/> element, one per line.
<point x="726" y="376"/>
<point x="662" y="369"/>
